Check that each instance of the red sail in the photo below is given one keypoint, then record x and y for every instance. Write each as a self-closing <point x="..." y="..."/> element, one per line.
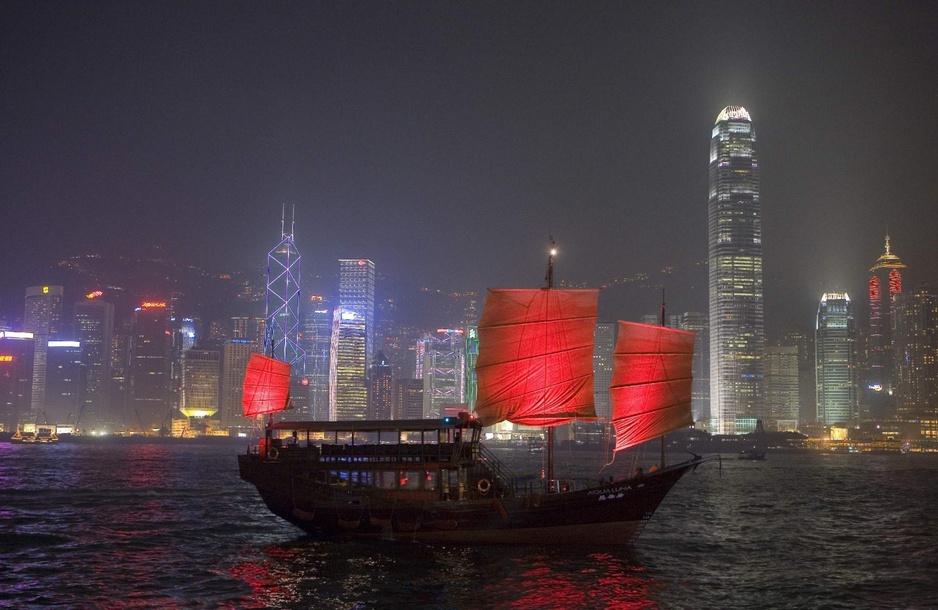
<point x="535" y="365"/>
<point x="651" y="382"/>
<point x="266" y="385"/>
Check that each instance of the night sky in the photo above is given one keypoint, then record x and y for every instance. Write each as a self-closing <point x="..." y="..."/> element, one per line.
<point x="447" y="140"/>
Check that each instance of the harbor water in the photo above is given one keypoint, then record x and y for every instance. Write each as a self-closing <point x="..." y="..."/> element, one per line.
<point x="101" y="525"/>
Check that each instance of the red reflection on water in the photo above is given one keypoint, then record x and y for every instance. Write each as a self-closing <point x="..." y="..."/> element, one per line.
<point x="609" y="583"/>
<point x="270" y="578"/>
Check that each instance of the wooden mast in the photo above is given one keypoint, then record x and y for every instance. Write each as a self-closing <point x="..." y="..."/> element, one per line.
<point x="549" y="279"/>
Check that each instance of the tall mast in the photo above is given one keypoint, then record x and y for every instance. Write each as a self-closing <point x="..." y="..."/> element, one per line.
<point x="549" y="279"/>
<point x="662" y="324"/>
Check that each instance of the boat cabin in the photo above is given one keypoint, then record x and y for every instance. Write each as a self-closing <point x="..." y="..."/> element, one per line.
<point x="405" y="459"/>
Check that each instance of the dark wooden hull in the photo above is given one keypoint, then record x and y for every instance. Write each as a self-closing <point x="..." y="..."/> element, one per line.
<point x="611" y="513"/>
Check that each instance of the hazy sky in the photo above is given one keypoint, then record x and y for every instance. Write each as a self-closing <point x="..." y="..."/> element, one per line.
<point x="446" y="140"/>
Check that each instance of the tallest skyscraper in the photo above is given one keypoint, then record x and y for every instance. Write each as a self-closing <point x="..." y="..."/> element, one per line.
<point x="735" y="263"/>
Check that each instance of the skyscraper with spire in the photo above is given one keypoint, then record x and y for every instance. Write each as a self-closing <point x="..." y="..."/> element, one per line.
<point x="735" y="266"/>
<point x="283" y="301"/>
<point x="885" y="283"/>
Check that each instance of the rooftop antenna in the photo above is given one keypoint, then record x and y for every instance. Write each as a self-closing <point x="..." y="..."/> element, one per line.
<point x="283" y="215"/>
<point x="662" y="307"/>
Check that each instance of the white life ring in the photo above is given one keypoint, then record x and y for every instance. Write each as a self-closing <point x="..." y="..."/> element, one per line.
<point x="484" y="486"/>
<point x="272" y="453"/>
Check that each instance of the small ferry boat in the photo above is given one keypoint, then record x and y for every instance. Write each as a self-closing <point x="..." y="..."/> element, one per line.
<point x="41" y="434"/>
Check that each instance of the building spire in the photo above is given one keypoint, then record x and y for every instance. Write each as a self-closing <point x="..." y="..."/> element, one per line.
<point x="888" y="260"/>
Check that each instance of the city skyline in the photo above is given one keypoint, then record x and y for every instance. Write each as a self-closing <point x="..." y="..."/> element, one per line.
<point x="475" y="130"/>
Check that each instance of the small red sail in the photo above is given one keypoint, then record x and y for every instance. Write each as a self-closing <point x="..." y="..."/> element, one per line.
<point x="266" y="385"/>
<point x="535" y="365"/>
<point x="651" y="382"/>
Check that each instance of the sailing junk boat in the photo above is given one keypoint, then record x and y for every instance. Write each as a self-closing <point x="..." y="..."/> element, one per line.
<point x="433" y="480"/>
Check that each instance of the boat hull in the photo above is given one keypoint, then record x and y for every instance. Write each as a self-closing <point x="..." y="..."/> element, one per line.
<point x="612" y="513"/>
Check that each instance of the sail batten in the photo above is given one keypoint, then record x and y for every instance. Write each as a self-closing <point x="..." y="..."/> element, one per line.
<point x="535" y="363"/>
<point x="266" y="386"/>
<point x="651" y="382"/>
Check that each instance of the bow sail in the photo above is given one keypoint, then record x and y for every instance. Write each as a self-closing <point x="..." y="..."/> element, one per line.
<point x="535" y="365"/>
<point x="266" y="385"/>
<point x="651" y="382"/>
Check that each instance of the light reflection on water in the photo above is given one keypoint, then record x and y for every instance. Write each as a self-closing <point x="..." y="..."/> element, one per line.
<point x="173" y="526"/>
<point x="394" y="575"/>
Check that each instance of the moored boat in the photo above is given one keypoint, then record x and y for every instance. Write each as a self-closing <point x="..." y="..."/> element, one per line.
<point x="41" y="434"/>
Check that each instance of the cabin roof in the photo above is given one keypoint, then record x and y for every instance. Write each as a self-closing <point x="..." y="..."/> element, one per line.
<point x="409" y="425"/>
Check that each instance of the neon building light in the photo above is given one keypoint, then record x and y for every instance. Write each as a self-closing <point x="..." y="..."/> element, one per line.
<point x="885" y="285"/>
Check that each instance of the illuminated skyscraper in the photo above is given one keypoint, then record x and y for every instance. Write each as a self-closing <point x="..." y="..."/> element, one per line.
<point x="472" y="355"/>
<point x="879" y="384"/>
<point x="316" y="341"/>
<point x="782" y="399"/>
<point x="201" y="372"/>
<point x="348" y="392"/>
<point x="735" y="265"/>
<point x="408" y="399"/>
<point x="699" y="324"/>
<point x="44" y="319"/>
<point x="836" y="361"/>
<point x="64" y="382"/>
<point x="150" y="369"/>
<point x="444" y="371"/>
<point x="604" y="341"/>
<point x="380" y="395"/>
<point x="16" y="371"/>
<point x="93" y="324"/>
<point x="234" y="361"/>
<point x="357" y="294"/>
<point x="283" y="302"/>
<point x="915" y="339"/>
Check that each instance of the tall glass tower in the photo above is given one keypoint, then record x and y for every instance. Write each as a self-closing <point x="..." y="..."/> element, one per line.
<point x="44" y="319"/>
<point x="836" y="360"/>
<point x="735" y="264"/>
<point x="357" y="294"/>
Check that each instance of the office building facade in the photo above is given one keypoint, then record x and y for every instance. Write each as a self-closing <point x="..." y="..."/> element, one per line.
<point x="915" y="341"/>
<point x="357" y="294"/>
<point x="43" y="318"/>
<point x="93" y="326"/>
<point x="836" y="338"/>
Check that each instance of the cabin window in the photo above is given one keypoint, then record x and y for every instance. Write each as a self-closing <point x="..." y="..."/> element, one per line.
<point x="339" y="477"/>
<point x="410" y="479"/>
<point x="362" y="478"/>
<point x="387" y="479"/>
<point x="429" y="480"/>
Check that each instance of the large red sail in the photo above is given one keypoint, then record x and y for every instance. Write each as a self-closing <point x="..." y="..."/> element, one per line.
<point x="651" y="382"/>
<point x="266" y="385"/>
<point x="535" y="365"/>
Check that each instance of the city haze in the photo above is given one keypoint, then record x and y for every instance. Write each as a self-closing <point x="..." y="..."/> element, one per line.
<point x="447" y="141"/>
